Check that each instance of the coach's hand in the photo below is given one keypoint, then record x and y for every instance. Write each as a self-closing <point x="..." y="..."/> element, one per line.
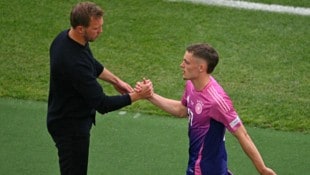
<point x="122" y="87"/>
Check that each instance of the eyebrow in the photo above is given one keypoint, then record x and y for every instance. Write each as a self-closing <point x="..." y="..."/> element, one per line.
<point x="186" y="61"/>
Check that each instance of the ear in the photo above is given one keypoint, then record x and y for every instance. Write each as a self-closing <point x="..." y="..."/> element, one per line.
<point x="202" y="67"/>
<point x="80" y="29"/>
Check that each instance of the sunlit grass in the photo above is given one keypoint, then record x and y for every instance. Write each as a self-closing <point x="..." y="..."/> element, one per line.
<point x="264" y="57"/>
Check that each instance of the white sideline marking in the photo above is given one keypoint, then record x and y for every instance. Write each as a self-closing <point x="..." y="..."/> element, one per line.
<point x="253" y="6"/>
<point x="122" y="112"/>
<point x="136" y="115"/>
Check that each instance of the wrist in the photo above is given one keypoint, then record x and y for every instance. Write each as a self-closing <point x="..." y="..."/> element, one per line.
<point x="134" y="96"/>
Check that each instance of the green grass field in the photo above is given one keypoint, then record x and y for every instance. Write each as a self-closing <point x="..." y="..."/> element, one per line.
<point x="134" y="144"/>
<point x="264" y="67"/>
<point x="264" y="56"/>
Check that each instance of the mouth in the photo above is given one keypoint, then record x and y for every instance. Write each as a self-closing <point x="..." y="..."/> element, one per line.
<point x="183" y="73"/>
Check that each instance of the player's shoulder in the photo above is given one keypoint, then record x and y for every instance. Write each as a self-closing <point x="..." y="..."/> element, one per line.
<point x="218" y="97"/>
<point x="215" y="88"/>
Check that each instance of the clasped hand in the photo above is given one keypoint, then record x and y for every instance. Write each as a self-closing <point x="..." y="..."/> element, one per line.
<point x="144" y="88"/>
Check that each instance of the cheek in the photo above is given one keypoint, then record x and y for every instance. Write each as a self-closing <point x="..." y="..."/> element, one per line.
<point x="193" y="70"/>
<point x="190" y="68"/>
<point x="94" y="32"/>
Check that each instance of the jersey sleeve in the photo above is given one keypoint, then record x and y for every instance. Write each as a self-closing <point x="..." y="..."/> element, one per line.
<point x="224" y="112"/>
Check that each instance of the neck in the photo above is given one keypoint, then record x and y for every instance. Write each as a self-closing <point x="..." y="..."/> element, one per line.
<point x="201" y="83"/>
<point x="76" y="36"/>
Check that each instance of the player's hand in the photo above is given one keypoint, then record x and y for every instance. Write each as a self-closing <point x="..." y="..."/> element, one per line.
<point x="268" y="171"/>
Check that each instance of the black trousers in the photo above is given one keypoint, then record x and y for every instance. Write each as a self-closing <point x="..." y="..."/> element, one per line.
<point x="72" y="139"/>
<point x="73" y="153"/>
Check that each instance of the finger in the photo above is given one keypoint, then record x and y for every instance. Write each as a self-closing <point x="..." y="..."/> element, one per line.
<point x="144" y="80"/>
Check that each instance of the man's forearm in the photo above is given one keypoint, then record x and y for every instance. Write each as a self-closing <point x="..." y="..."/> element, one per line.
<point x="108" y="76"/>
<point x="171" y="106"/>
<point x="249" y="148"/>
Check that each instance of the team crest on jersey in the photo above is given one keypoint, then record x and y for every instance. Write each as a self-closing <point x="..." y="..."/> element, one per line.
<point x="198" y="107"/>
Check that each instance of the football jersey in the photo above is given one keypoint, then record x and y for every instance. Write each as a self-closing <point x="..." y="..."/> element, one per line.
<point x="210" y="112"/>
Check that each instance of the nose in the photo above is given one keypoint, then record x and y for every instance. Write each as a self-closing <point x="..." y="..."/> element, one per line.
<point x="100" y="30"/>
<point x="182" y="64"/>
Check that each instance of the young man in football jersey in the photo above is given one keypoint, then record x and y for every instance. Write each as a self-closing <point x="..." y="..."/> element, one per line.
<point x="210" y="112"/>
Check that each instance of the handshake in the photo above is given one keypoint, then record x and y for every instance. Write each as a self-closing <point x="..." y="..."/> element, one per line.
<point x="144" y="89"/>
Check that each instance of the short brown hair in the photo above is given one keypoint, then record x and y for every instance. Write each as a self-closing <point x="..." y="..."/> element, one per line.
<point x="205" y="52"/>
<point x="82" y="13"/>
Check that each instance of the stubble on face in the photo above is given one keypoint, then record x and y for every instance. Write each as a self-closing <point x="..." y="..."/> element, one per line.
<point x="93" y="31"/>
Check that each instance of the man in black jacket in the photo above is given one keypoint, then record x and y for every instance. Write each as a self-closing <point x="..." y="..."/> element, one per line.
<point x="74" y="93"/>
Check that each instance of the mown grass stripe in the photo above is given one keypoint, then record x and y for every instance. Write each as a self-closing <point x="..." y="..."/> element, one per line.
<point x="254" y="6"/>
